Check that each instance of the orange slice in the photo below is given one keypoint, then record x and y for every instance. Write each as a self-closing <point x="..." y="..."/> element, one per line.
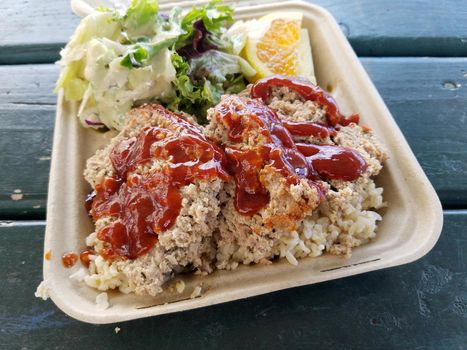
<point x="276" y="44"/>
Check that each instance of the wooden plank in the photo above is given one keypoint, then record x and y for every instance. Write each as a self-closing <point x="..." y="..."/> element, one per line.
<point x="402" y="28"/>
<point x="34" y="31"/>
<point x="27" y="111"/>
<point x="418" y="91"/>
<point x="422" y="305"/>
<point x="428" y="99"/>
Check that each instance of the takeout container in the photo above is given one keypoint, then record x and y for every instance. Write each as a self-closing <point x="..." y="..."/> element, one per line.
<point x="411" y="224"/>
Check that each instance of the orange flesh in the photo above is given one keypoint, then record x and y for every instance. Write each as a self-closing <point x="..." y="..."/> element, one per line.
<point x="277" y="49"/>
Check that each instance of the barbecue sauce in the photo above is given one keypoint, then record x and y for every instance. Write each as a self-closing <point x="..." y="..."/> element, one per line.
<point x="145" y="204"/>
<point x="306" y="128"/>
<point x="249" y="119"/>
<point x="84" y="257"/>
<point x="263" y="88"/>
<point x="333" y="162"/>
<point x="69" y="259"/>
<point x="48" y="255"/>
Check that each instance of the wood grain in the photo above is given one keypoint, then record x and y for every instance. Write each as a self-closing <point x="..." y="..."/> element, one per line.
<point x="422" y="305"/>
<point x="428" y="98"/>
<point x="27" y="111"/>
<point x="33" y="31"/>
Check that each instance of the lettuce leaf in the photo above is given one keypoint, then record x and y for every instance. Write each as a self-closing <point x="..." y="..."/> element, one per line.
<point x="199" y="42"/>
<point x="204" y="27"/>
<point x="188" y="95"/>
<point x="140" y="13"/>
<point x="215" y="15"/>
<point x="201" y="82"/>
<point x="141" y="53"/>
<point x="216" y="65"/>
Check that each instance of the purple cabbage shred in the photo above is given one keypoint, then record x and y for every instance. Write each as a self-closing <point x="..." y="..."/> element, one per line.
<point x="93" y="123"/>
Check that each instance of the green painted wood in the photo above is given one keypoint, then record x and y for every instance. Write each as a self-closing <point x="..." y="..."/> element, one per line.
<point x="27" y="112"/>
<point x="428" y="98"/>
<point x="402" y="28"/>
<point x="422" y="305"/>
<point x="33" y="31"/>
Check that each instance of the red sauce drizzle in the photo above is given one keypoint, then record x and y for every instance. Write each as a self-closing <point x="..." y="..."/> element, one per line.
<point x="69" y="259"/>
<point x="248" y="118"/>
<point x="84" y="257"/>
<point x="145" y="205"/>
<point x="250" y="194"/>
<point x="333" y="162"/>
<point x="48" y="255"/>
<point x="305" y="128"/>
<point x="263" y="88"/>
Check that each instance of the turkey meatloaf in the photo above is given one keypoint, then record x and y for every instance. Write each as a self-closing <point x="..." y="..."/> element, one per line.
<point x="188" y="242"/>
<point x="240" y="190"/>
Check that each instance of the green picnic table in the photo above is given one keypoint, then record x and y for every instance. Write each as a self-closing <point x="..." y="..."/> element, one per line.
<point x="416" y="54"/>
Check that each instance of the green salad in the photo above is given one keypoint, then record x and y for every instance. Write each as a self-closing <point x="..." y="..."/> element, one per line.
<point x="184" y="60"/>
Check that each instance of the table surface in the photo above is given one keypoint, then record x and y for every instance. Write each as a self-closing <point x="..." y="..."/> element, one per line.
<point x="416" y="54"/>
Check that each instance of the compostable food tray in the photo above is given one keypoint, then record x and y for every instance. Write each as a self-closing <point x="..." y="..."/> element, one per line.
<point x="411" y="223"/>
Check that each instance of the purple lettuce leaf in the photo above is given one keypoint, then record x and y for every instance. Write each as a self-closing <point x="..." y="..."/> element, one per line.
<point x="199" y="43"/>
